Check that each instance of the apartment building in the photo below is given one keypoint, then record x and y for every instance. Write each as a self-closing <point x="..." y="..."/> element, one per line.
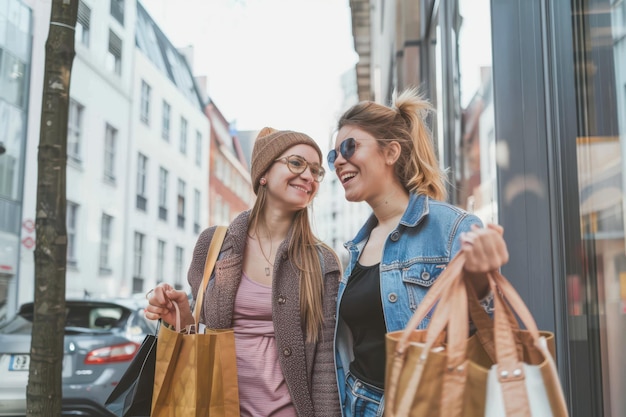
<point x="137" y="170"/>
<point x="16" y="31"/>
<point x="230" y="186"/>
<point x="169" y="161"/>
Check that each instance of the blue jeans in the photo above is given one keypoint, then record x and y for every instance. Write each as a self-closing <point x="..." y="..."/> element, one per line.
<point x="362" y="399"/>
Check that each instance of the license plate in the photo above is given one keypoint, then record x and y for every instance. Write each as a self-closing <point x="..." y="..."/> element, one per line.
<point x="67" y="366"/>
<point x="19" y="363"/>
<point x="22" y="362"/>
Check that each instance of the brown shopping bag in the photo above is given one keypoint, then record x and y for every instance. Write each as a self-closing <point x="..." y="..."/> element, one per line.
<point x="196" y="372"/>
<point x="501" y="370"/>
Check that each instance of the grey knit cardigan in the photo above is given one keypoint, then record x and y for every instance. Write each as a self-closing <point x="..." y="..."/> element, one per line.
<point x="309" y="368"/>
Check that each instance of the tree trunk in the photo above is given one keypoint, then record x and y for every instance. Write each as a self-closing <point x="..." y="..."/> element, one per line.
<point x="44" y="391"/>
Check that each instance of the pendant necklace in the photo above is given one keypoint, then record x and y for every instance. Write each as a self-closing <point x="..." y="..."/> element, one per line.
<point x="267" y="269"/>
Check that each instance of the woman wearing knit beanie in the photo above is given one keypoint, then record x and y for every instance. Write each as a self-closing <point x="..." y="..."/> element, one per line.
<point x="275" y="283"/>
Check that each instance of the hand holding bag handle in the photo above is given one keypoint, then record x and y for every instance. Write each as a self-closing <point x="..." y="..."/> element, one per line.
<point x="451" y="288"/>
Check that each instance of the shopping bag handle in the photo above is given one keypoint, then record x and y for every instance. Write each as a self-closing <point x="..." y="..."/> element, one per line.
<point x="506" y="297"/>
<point x="434" y="294"/>
<point x="211" y="258"/>
<point x="484" y="324"/>
<point x="439" y="292"/>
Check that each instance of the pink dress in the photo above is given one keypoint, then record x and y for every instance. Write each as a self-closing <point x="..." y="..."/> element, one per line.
<point x="262" y="388"/>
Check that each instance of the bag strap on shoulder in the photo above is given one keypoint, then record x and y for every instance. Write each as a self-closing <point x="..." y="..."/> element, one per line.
<point x="211" y="257"/>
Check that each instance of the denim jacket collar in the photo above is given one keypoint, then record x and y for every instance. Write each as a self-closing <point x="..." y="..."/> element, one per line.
<point x="416" y="210"/>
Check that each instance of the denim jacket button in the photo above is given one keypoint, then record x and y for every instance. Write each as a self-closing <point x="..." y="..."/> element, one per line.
<point x="393" y="297"/>
<point x="395" y="235"/>
<point x="425" y="275"/>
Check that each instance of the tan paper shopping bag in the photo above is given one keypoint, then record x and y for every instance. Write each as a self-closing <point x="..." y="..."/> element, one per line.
<point x="196" y="372"/>
<point x="501" y="370"/>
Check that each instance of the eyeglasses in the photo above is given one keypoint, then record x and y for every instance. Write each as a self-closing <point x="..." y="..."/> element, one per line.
<point x="298" y="165"/>
<point x="347" y="149"/>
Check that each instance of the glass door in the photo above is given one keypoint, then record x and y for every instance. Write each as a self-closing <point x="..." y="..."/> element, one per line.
<point x="598" y="293"/>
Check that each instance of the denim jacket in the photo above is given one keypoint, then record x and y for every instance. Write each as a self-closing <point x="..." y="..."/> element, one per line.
<point x="414" y="254"/>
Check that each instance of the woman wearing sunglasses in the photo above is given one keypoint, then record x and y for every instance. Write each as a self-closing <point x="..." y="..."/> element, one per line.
<point x="385" y="157"/>
<point x="275" y="283"/>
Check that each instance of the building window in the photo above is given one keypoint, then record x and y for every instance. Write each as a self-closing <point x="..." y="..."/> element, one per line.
<point x="165" y="128"/>
<point x="74" y="130"/>
<point x="216" y="213"/>
<point x="217" y="167"/>
<point x="110" y="144"/>
<point x="181" y="204"/>
<point x="163" y="177"/>
<point x="178" y="268"/>
<point x="117" y="10"/>
<point x="71" y="221"/>
<point x="13" y="75"/>
<point x="114" y="56"/>
<point x="142" y="173"/>
<point x="105" y="243"/>
<point x="160" y="267"/>
<point x="183" y="135"/>
<point x="144" y="112"/>
<point x="198" y="149"/>
<point x="226" y="212"/>
<point x="139" y="248"/>
<point x="196" y="211"/>
<point x="82" y="24"/>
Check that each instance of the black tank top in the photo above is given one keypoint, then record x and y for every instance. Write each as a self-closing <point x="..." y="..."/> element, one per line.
<point x="362" y="310"/>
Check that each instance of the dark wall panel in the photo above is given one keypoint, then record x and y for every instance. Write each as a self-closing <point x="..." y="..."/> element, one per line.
<point x="519" y="91"/>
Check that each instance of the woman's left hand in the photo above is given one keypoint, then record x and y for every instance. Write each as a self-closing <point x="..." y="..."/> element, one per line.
<point x="484" y="248"/>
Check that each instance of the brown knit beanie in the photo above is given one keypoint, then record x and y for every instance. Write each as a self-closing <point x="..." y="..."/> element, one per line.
<point x="269" y="145"/>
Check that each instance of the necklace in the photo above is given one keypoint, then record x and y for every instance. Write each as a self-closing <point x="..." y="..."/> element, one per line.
<point x="267" y="269"/>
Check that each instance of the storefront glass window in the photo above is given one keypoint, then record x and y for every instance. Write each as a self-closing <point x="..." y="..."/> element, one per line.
<point x="598" y="294"/>
<point x="474" y="123"/>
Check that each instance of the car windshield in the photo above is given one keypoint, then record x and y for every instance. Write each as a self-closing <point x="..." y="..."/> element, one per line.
<point x="17" y="325"/>
<point x="83" y="315"/>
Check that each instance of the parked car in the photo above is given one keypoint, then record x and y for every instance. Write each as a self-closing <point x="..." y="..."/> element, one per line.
<point x="101" y="338"/>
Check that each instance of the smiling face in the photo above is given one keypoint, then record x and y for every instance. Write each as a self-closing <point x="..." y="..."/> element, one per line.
<point x="366" y="174"/>
<point x="290" y="190"/>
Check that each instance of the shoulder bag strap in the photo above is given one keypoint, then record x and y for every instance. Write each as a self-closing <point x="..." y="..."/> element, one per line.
<point x="211" y="257"/>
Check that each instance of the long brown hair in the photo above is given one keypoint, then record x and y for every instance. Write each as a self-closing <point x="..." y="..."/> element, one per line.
<point x="304" y="252"/>
<point x="417" y="167"/>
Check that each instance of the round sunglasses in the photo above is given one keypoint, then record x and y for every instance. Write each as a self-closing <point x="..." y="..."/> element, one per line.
<point x="347" y="149"/>
<point x="298" y="165"/>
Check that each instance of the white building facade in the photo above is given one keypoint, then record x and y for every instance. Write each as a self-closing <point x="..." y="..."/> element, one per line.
<point x="168" y="192"/>
<point x="119" y="241"/>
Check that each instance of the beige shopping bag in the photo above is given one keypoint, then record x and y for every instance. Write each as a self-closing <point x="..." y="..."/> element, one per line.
<point x="501" y="370"/>
<point x="196" y="372"/>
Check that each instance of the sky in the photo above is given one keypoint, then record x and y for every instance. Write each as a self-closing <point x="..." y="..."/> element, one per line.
<point x="269" y="62"/>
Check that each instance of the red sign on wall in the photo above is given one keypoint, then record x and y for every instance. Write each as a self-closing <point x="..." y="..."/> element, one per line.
<point x="29" y="225"/>
<point x="28" y="242"/>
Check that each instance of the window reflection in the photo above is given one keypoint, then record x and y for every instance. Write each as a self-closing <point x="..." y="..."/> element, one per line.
<point x="600" y="291"/>
<point x="475" y="173"/>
